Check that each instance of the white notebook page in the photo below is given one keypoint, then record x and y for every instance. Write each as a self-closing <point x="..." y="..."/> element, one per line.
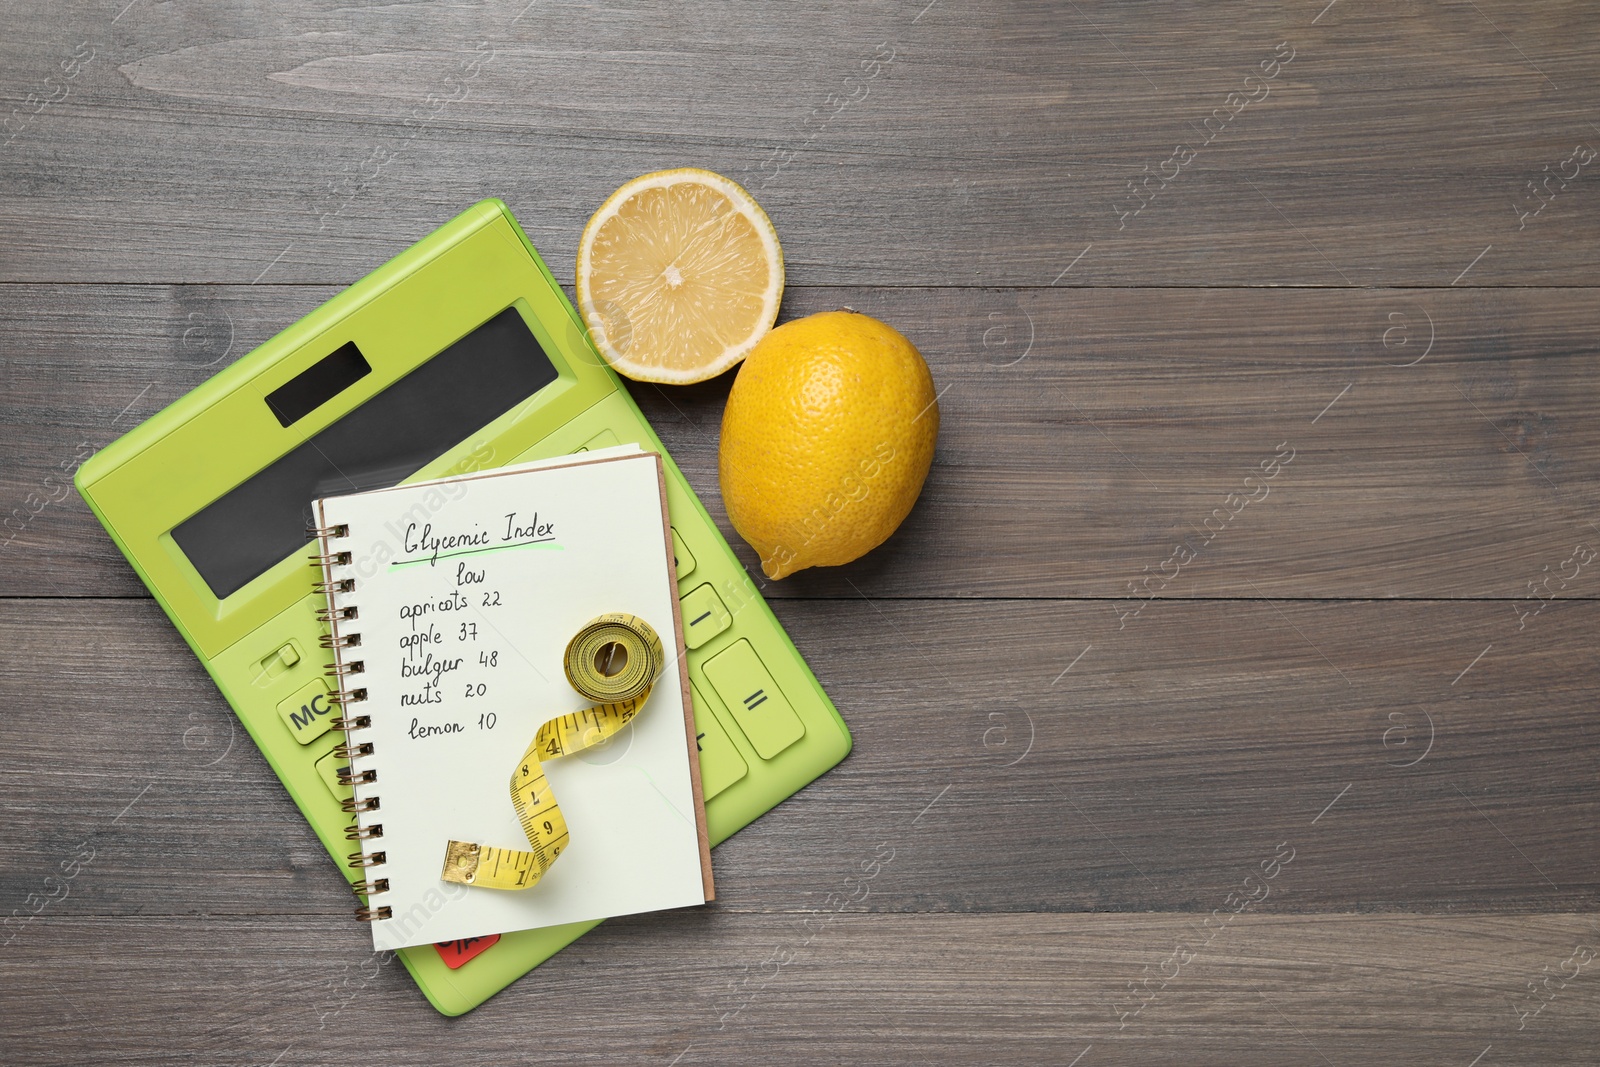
<point x="467" y="592"/>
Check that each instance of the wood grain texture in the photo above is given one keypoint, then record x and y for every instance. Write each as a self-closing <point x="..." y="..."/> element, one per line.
<point x="1083" y="435"/>
<point x="868" y="989"/>
<point x="304" y="142"/>
<point x="1161" y="770"/>
<point x="1317" y="787"/>
<point x="1173" y="758"/>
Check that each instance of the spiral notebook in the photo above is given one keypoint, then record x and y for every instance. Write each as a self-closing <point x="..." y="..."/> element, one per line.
<point x="450" y="605"/>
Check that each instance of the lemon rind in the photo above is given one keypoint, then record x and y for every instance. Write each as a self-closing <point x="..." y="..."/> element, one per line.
<point x="733" y="354"/>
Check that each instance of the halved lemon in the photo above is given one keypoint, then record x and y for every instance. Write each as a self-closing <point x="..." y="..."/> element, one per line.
<point x="679" y="275"/>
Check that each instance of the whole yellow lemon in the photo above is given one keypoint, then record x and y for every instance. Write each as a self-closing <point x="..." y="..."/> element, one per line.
<point x="826" y="440"/>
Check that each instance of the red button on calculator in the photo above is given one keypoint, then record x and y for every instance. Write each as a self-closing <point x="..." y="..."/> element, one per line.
<point x="456" y="953"/>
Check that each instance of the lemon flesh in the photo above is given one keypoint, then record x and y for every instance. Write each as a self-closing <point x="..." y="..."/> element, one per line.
<point x="827" y="438"/>
<point x="679" y="276"/>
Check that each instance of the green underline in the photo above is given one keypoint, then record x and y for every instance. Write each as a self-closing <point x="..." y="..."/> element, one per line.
<point x="545" y="544"/>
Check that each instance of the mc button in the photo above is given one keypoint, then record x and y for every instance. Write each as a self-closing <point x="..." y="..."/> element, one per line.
<point x="308" y="712"/>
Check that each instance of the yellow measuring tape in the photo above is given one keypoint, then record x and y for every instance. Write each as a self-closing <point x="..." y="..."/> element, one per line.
<point x="615" y="661"/>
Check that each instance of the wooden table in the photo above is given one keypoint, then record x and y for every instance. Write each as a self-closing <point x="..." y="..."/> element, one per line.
<point x="1228" y="698"/>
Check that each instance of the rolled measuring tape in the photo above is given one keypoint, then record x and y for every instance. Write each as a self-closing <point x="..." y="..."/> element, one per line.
<point x="613" y="660"/>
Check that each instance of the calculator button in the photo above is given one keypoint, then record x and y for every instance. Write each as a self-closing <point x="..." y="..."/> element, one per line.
<point x="720" y="763"/>
<point x="308" y="713"/>
<point x="457" y="953"/>
<point x="762" y="711"/>
<point x="328" y="768"/>
<point x="682" y="558"/>
<point x="704" y="616"/>
<point x="273" y="666"/>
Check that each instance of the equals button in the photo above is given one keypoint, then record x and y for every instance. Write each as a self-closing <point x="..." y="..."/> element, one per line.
<point x="757" y="703"/>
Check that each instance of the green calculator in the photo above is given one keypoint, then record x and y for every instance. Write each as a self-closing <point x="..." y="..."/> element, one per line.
<point x="459" y="354"/>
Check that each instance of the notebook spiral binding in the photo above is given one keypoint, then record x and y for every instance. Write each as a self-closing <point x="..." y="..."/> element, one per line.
<point x="340" y="641"/>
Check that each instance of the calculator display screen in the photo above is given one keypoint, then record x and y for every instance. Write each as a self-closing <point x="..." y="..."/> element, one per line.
<point x="394" y="434"/>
